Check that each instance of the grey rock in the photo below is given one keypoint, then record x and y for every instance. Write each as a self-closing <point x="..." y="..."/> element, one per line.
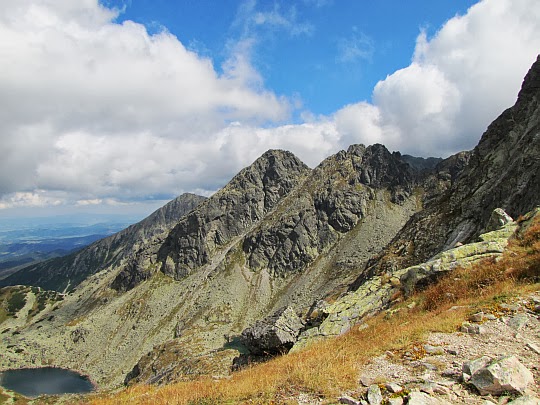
<point x="471" y="367"/>
<point x="497" y="220"/>
<point x="533" y="347"/>
<point x="275" y="334"/>
<point x="395" y="401"/>
<point x="518" y="321"/>
<point x="348" y="400"/>
<point x="478" y="317"/>
<point x="393" y="387"/>
<point x="505" y="375"/>
<point x="230" y="212"/>
<point x="434" y="350"/>
<point x="374" y="395"/>
<point x="466" y="327"/>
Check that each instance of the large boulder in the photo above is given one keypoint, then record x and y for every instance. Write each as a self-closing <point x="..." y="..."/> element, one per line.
<point x="503" y="375"/>
<point x="275" y="334"/>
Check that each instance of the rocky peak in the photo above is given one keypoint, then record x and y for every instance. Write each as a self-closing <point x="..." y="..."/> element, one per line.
<point x="334" y="198"/>
<point x="531" y="83"/>
<point x="230" y="212"/>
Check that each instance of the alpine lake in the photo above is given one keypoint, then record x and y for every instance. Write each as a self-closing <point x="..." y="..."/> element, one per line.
<point x="33" y="382"/>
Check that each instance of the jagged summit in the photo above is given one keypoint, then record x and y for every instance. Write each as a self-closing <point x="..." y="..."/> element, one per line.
<point x="251" y="194"/>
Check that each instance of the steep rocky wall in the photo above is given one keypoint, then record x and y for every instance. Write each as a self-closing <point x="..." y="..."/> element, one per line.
<point x="502" y="171"/>
<point x="230" y="212"/>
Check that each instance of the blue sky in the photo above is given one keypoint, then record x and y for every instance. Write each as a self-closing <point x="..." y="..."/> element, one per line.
<point x="120" y="105"/>
<point x="327" y="53"/>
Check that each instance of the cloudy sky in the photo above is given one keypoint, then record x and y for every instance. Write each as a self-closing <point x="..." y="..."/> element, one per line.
<point x="120" y="105"/>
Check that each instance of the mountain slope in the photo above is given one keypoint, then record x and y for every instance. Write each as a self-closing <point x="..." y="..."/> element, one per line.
<point x="64" y="273"/>
<point x="218" y="270"/>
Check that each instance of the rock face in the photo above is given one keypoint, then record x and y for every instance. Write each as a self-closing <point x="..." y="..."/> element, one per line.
<point x="333" y="200"/>
<point x="230" y="212"/>
<point x="503" y="171"/>
<point x="65" y="273"/>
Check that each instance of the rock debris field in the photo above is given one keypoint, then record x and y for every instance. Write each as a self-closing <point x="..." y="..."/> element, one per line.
<point x="493" y="359"/>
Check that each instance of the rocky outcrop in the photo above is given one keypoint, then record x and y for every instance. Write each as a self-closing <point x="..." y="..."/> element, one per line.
<point x="65" y="273"/>
<point x="273" y="335"/>
<point x="230" y="212"/>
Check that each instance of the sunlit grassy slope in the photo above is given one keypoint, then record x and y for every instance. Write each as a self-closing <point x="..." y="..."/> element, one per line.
<point x="331" y="367"/>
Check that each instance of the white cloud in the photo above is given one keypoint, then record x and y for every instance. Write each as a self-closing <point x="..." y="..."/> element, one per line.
<point x="78" y="92"/>
<point x="457" y="83"/>
<point x="98" y="113"/>
<point x="37" y="198"/>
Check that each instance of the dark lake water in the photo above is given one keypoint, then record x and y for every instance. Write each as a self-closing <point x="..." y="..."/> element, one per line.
<point x="32" y="382"/>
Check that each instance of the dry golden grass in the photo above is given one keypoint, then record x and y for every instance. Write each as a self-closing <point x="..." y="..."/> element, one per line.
<point x="331" y="367"/>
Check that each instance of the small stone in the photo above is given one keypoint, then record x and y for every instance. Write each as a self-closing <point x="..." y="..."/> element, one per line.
<point x="421" y="398"/>
<point x="478" y="317"/>
<point x="518" y="321"/>
<point x="395" y="282"/>
<point x="490" y="317"/>
<point x="427" y="388"/>
<point x="389" y="353"/>
<point x="440" y="389"/>
<point x="471" y="367"/>
<point x="411" y="305"/>
<point x="374" y="395"/>
<point x="393" y="387"/>
<point x="510" y="307"/>
<point x="467" y="327"/>
<point x="453" y="352"/>
<point x="533" y="347"/>
<point x="449" y="372"/>
<point x="345" y="399"/>
<point x="366" y="380"/>
<point x="435" y="350"/>
<point x="395" y="401"/>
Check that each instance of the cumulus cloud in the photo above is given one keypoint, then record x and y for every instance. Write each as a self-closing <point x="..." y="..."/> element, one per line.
<point x="78" y="91"/>
<point x="93" y="112"/>
<point x="457" y="83"/>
